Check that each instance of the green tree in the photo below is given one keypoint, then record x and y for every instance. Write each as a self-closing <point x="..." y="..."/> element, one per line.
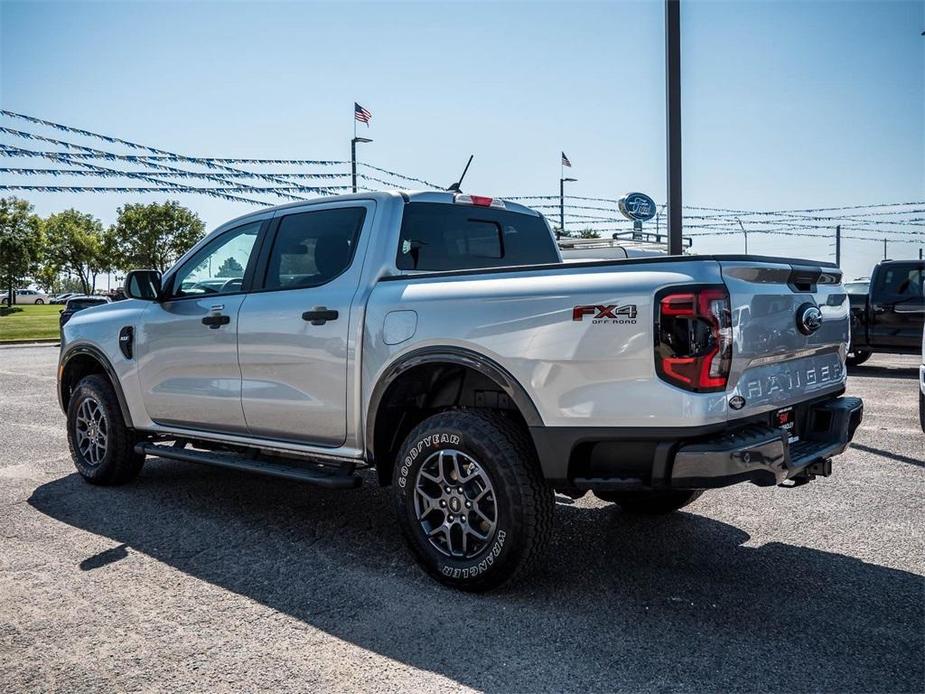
<point x="230" y="268"/>
<point x="153" y="236"/>
<point x="589" y="234"/>
<point x="49" y="279"/>
<point x="74" y="244"/>
<point x="20" y="243"/>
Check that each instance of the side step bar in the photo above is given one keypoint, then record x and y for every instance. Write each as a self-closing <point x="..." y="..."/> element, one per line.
<point x="275" y="467"/>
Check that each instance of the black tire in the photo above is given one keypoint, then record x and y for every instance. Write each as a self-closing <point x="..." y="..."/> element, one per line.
<point x="39" y="301"/>
<point x="857" y="358"/>
<point x="651" y="503"/>
<point x="493" y="452"/>
<point x="118" y="462"/>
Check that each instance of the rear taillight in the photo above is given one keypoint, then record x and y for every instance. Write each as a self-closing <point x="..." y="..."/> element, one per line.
<point x="693" y="337"/>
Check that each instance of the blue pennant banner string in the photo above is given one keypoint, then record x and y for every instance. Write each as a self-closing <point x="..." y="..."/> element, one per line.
<point x="144" y="189"/>
<point x="168" y="174"/>
<point x="134" y="158"/>
<point x="219" y="163"/>
<point x="236" y="160"/>
<point x="133" y="145"/>
<point x="120" y="157"/>
<point x="104" y="171"/>
<point x="401" y="176"/>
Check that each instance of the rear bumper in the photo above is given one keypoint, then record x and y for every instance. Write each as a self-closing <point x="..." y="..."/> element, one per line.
<point x="756" y="452"/>
<point x="762" y="455"/>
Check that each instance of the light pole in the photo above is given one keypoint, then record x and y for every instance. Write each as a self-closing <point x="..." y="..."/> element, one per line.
<point x="745" y="233"/>
<point x="673" y="123"/>
<point x="562" y="182"/>
<point x="353" y="159"/>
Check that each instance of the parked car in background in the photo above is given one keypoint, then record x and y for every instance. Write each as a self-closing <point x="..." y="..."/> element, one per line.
<point x="80" y="302"/>
<point x="27" y="296"/>
<point x="62" y="298"/>
<point x="859" y="285"/>
<point x="890" y="317"/>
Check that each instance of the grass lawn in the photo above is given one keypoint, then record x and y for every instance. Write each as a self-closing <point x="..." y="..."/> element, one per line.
<point x="29" y="322"/>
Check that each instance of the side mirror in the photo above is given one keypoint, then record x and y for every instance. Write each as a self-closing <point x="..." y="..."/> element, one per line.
<point x="142" y="284"/>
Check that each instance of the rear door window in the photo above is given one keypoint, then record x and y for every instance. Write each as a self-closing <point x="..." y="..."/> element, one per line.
<point x="439" y="236"/>
<point x="312" y="248"/>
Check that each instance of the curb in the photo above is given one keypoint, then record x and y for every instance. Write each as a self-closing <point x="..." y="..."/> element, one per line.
<point x="50" y="342"/>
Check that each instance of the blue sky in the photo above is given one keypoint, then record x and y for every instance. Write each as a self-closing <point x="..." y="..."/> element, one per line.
<point x="786" y="105"/>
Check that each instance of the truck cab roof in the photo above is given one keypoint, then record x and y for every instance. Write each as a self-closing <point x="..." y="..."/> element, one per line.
<point x="429" y="196"/>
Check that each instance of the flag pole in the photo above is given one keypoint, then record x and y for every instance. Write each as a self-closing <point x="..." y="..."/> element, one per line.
<point x="353" y="152"/>
<point x="561" y="195"/>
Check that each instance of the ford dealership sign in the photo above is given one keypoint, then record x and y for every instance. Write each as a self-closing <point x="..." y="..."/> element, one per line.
<point x="637" y="206"/>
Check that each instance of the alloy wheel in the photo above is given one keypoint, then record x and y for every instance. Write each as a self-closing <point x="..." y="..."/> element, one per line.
<point x="455" y="503"/>
<point x="92" y="429"/>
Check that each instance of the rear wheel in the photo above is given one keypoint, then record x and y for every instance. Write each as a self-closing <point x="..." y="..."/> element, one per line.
<point x="651" y="503"/>
<point x="471" y="500"/>
<point x="858" y="357"/>
<point x="102" y="446"/>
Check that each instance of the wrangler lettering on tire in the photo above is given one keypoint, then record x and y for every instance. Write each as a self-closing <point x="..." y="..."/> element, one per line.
<point x="470" y="498"/>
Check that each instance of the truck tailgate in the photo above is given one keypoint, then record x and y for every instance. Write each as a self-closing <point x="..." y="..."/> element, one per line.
<point x="782" y="353"/>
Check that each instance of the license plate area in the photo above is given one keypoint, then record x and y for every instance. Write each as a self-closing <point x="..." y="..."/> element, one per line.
<point x="786" y="419"/>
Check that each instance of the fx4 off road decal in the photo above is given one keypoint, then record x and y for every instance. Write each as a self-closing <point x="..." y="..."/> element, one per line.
<point x="600" y="314"/>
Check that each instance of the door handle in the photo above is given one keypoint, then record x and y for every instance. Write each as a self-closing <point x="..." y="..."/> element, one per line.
<point x="320" y="315"/>
<point x="216" y="321"/>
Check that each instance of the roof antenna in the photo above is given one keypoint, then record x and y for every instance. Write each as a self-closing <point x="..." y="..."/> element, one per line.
<point x="455" y="188"/>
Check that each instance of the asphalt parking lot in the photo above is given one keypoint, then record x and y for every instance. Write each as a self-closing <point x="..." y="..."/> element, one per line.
<point x="196" y="579"/>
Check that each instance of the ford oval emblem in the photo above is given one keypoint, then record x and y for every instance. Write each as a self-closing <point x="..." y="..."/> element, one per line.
<point x="637" y="206"/>
<point x="737" y="402"/>
<point x="809" y="318"/>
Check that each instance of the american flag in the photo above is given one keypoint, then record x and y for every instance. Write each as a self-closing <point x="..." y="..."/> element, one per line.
<point x="364" y="116"/>
<point x="565" y="161"/>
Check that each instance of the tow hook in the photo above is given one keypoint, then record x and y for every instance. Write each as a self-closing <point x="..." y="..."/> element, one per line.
<point x="821" y="468"/>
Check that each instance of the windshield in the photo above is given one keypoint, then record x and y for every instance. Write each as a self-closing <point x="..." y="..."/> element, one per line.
<point x="857" y="287"/>
<point x="439" y="236"/>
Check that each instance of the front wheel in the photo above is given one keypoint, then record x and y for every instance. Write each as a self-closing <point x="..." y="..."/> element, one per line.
<point x="102" y="446"/>
<point x="858" y="357"/>
<point x="651" y="503"/>
<point x="471" y="500"/>
<point x="39" y="301"/>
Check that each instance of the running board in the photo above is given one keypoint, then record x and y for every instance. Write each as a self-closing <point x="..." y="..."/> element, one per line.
<point x="311" y="473"/>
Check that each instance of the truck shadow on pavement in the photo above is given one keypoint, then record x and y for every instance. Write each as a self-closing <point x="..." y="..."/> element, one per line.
<point x="620" y="603"/>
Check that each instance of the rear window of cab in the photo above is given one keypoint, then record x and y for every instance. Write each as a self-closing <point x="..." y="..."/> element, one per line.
<point x="439" y="236"/>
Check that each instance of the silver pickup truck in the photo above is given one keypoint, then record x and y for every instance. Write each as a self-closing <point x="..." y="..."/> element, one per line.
<point x="440" y="340"/>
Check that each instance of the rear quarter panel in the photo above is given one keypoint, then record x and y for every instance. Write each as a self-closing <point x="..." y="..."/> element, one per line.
<point x="577" y="372"/>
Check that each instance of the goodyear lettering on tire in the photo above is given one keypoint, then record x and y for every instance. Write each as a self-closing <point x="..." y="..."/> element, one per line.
<point x="429" y="441"/>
